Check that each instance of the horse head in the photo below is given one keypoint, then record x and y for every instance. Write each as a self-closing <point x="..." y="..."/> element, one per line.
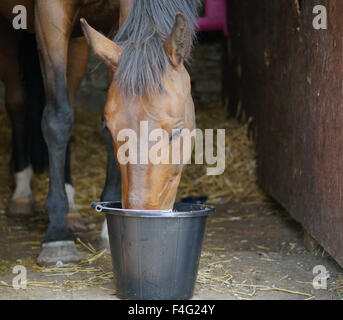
<point x="150" y="178"/>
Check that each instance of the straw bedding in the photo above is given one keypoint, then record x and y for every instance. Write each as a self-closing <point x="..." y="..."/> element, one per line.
<point x="237" y="184"/>
<point x="89" y="162"/>
<point x="88" y="167"/>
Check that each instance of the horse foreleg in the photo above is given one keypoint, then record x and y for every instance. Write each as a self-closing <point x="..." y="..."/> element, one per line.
<point x="77" y="68"/>
<point x="112" y="189"/>
<point x="54" y="22"/>
<point x="16" y="105"/>
<point x="21" y="204"/>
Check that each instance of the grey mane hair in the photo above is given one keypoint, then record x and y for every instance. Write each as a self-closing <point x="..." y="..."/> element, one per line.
<point x="144" y="61"/>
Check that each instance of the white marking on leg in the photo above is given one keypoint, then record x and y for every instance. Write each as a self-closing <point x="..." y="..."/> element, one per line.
<point x="104" y="232"/>
<point x="23" y="184"/>
<point x="71" y="194"/>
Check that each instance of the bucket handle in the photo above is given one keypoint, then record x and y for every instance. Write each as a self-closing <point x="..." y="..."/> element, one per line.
<point x="98" y="207"/>
<point x="101" y="207"/>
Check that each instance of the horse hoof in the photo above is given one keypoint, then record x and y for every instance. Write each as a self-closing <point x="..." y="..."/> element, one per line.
<point x="20" y="208"/>
<point x="58" y="251"/>
<point x="75" y="223"/>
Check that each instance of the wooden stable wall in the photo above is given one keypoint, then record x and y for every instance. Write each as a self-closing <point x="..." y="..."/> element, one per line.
<point x="289" y="77"/>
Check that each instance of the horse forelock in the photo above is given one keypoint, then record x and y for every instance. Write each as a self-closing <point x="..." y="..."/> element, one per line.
<point x="144" y="61"/>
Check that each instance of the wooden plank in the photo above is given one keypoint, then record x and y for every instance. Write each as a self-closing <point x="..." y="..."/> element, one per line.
<point x="292" y="84"/>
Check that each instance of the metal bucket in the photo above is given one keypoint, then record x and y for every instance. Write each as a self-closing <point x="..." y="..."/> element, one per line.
<point x="155" y="254"/>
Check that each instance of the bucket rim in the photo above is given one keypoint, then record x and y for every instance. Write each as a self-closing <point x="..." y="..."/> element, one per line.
<point x="114" y="208"/>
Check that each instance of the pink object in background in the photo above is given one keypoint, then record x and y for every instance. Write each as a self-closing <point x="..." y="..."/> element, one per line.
<point x="215" y="18"/>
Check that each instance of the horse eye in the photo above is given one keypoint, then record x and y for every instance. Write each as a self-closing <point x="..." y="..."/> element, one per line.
<point x="176" y="133"/>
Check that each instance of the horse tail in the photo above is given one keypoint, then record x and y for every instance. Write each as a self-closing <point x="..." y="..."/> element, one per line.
<point x="35" y="93"/>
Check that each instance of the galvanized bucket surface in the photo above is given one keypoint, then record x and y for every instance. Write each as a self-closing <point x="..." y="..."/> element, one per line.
<point x="155" y="254"/>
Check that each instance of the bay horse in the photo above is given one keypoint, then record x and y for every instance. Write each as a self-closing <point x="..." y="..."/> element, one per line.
<point x="149" y="82"/>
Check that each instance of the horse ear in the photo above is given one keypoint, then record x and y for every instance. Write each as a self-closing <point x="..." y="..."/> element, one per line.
<point x="179" y="43"/>
<point x="103" y="47"/>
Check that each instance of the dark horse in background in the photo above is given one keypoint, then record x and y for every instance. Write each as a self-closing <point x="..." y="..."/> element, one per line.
<point x="148" y="83"/>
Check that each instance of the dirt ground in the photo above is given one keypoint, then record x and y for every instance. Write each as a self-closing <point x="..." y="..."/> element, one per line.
<point x="250" y="252"/>
<point x="253" y="249"/>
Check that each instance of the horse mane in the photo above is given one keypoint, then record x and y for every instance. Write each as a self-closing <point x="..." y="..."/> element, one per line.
<point x="144" y="61"/>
